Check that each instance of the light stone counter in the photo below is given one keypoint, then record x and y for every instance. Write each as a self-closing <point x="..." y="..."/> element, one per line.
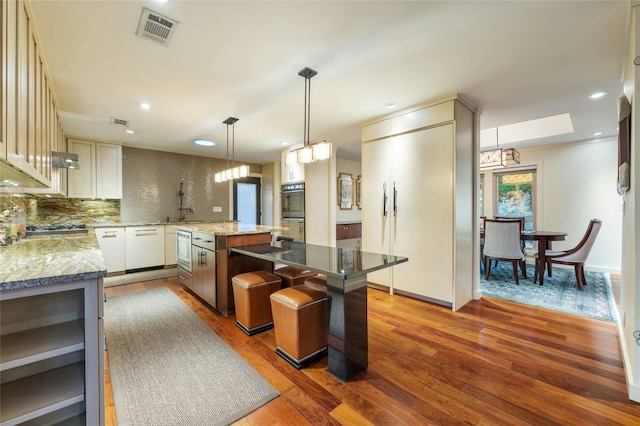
<point x="51" y="259"/>
<point x="228" y="228"/>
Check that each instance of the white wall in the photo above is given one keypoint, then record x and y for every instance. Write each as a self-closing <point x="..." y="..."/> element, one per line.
<point x="320" y="190"/>
<point x="355" y="169"/>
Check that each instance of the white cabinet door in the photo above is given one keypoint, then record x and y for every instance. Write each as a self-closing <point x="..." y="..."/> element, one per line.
<point x="170" y="245"/>
<point x="144" y="246"/>
<point x="422" y="178"/>
<point x="112" y="243"/>
<point x="82" y="181"/>
<point x="108" y="171"/>
<point x="375" y="199"/>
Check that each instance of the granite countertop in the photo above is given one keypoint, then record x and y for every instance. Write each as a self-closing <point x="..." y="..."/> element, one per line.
<point x="50" y="259"/>
<point x="175" y="223"/>
<point x="228" y="228"/>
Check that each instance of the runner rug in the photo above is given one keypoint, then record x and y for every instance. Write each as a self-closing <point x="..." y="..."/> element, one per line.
<point x="167" y="367"/>
<point x="559" y="292"/>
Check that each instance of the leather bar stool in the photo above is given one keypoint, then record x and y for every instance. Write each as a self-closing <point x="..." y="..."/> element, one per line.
<point x="293" y="276"/>
<point x="300" y="319"/>
<point x="251" y="292"/>
<point x="319" y="279"/>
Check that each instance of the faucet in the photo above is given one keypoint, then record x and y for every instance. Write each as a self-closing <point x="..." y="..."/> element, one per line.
<point x="182" y="210"/>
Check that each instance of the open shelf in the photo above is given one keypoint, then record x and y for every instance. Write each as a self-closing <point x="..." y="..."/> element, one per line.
<point x="35" y="345"/>
<point x="34" y="396"/>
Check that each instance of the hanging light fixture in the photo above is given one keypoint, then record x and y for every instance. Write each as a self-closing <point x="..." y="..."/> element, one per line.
<point x="232" y="172"/>
<point x="499" y="158"/>
<point x="308" y="153"/>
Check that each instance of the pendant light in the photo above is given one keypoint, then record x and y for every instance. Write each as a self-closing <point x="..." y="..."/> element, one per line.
<point x="499" y="158"/>
<point x="308" y="153"/>
<point x="232" y="172"/>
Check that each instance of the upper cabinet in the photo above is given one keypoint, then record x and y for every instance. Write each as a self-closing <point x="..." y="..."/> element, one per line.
<point x="293" y="173"/>
<point x="100" y="172"/>
<point x="30" y="124"/>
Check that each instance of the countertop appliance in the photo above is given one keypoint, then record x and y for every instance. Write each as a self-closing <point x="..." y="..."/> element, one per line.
<point x="292" y="201"/>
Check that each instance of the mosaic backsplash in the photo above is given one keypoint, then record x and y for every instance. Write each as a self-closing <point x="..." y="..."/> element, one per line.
<point x="151" y="184"/>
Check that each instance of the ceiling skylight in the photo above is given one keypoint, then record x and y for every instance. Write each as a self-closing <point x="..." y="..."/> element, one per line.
<point x="526" y="130"/>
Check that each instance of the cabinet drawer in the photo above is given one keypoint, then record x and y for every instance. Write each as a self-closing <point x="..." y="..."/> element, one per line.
<point x="348" y="230"/>
<point x="185" y="278"/>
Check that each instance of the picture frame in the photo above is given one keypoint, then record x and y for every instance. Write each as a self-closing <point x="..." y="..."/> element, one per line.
<point x="345" y="191"/>
<point x="359" y="192"/>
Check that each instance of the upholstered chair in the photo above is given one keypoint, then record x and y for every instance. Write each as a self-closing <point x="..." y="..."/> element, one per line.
<point x="502" y="242"/>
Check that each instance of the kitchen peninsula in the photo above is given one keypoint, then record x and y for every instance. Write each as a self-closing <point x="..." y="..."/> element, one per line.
<point x="51" y="330"/>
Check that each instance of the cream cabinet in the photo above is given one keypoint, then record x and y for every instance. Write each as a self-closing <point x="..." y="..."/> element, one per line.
<point x="292" y="173"/>
<point x="144" y="247"/>
<point x="112" y="243"/>
<point x="170" y="245"/>
<point x="418" y="198"/>
<point x="52" y="354"/>
<point x="100" y="173"/>
<point x="30" y="124"/>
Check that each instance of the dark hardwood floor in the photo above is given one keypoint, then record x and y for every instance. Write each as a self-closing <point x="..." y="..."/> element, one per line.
<point x="491" y="363"/>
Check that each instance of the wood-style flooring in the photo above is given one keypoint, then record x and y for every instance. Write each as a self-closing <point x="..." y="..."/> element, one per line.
<point x="491" y="363"/>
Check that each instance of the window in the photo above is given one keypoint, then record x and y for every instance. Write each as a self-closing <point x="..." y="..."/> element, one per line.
<point x="515" y="196"/>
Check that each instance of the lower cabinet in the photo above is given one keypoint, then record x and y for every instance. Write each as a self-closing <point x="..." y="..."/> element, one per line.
<point x="170" y="245"/>
<point x="144" y="247"/>
<point x="203" y="266"/>
<point x="112" y="243"/>
<point x="52" y="354"/>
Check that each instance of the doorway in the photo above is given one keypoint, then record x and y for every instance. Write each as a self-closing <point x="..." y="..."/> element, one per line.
<point x="246" y="200"/>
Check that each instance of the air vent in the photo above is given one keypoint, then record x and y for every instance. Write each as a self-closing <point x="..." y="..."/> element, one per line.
<point x="119" y="122"/>
<point x="156" y="27"/>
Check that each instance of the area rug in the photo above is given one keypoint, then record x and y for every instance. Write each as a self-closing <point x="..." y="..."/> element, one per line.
<point x="559" y="292"/>
<point x="168" y="367"/>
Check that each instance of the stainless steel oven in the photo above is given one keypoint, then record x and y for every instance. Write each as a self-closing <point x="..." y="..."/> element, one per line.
<point x="183" y="252"/>
<point x="292" y="201"/>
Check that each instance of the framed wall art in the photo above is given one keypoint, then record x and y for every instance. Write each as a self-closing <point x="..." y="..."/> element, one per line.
<point x="345" y="191"/>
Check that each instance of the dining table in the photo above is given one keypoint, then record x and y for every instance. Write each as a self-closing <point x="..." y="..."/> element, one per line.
<point x="544" y="239"/>
<point x="346" y="271"/>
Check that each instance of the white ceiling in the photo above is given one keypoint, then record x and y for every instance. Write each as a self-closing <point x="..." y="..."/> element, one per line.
<point x="516" y="61"/>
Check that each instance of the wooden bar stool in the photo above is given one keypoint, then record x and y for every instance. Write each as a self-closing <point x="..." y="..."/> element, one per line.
<point x="300" y="319"/>
<point x="251" y="292"/>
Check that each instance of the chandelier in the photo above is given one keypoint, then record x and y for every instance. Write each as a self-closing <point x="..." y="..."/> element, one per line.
<point x="308" y="153"/>
<point x="499" y="158"/>
<point x="232" y="172"/>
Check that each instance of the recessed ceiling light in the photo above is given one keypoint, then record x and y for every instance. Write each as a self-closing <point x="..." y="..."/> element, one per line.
<point x="390" y="105"/>
<point x="130" y="131"/>
<point x="597" y="95"/>
<point x="284" y="143"/>
<point x="597" y="133"/>
<point x="144" y="105"/>
<point x="204" y="142"/>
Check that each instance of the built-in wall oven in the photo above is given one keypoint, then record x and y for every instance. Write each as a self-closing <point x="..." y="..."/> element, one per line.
<point x="183" y="252"/>
<point x="292" y="201"/>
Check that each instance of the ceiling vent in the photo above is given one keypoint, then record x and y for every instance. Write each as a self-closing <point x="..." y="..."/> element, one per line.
<point x="119" y="122"/>
<point x="156" y="27"/>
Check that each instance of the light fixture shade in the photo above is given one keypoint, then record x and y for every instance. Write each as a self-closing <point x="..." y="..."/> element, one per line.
<point x="321" y="151"/>
<point x="499" y="158"/>
<point x="228" y="174"/>
<point x="305" y="155"/>
<point x="244" y="171"/>
<point x="218" y="177"/>
<point x="291" y="158"/>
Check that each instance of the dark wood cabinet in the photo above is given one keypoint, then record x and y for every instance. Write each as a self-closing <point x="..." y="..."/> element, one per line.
<point x="346" y="231"/>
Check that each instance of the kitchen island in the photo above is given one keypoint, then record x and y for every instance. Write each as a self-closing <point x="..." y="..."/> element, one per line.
<point x="212" y="241"/>
<point x="51" y="330"/>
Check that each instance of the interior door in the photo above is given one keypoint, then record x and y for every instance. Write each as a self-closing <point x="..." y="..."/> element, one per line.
<point x="246" y="200"/>
<point x="422" y="175"/>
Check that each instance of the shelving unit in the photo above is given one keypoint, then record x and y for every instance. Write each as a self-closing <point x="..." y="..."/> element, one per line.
<point x="51" y="368"/>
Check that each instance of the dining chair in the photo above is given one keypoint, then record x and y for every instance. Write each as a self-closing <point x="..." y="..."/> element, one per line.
<point x="521" y="219"/>
<point x="482" y="219"/>
<point x="502" y="242"/>
<point x="576" y="257"/>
